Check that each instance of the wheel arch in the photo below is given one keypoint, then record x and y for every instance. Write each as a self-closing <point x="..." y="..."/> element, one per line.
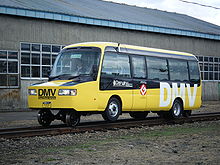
<point x="119" y="99"/>
<point x="112" y="113"/>
<point x="181" y="100"/>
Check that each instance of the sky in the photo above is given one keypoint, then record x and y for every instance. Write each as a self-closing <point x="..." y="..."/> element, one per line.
<point x="204" y="13"/>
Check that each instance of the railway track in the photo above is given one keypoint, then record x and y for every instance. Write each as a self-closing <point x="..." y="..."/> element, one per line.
<point x="13" y="133"/>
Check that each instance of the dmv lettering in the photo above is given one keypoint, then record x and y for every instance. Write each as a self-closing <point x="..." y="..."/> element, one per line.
<point x="171" y="93"/>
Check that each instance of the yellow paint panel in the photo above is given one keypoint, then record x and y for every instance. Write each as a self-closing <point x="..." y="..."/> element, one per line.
<point x="90" y="98"/>
<point x="125" y="95"/>
<point x="85" y="100"/>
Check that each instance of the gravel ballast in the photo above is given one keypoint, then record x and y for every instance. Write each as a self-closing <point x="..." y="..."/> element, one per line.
<point x="196" y="143"/>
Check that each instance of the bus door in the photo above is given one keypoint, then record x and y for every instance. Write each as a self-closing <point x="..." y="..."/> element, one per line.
<point x="116" y="79"/>
<point x="157" y="69"/>
<point x="139" y="95"/>
<point x="139" y="75"/>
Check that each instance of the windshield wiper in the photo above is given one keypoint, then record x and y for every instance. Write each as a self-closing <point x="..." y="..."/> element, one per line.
<point x="78" y="76"/>
<point x="59" y="76"/>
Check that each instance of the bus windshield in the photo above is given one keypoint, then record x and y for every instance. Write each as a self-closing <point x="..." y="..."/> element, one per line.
<point x="75" y="63"/>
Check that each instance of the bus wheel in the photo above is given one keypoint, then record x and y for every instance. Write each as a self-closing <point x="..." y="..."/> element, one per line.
<point x="112" y="110"/>
<point x="187" y="113"/>
<point x="72" y="118"/>
<point x="45" y="117"/>
<point x="138" y="115"/>
<point x="176" y="110"/>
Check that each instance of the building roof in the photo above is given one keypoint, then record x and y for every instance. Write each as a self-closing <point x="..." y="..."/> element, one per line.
<point x="102" y="13"/>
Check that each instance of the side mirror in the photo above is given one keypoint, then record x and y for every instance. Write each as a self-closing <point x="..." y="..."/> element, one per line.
<point x="48" y="72"/>
<point x="94" y="72"/>
<point x="94" y="69"/>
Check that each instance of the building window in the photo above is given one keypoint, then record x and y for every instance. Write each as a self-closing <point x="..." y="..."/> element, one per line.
<point x="209" y="67"/>
<point x="37" y="59"/>
<point x="9" y="69"/>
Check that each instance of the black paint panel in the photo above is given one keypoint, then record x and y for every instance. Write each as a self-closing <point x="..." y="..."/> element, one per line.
<point x="106" y="83"/>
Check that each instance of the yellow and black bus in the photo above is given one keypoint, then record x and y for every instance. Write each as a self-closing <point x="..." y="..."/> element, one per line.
<point x="112" y="78"/>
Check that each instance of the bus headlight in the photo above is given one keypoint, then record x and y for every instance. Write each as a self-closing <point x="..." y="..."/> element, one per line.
<point x="67" y="92"/>
<point x="32" y="92"/>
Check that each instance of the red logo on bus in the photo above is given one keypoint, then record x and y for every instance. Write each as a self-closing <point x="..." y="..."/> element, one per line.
<point x="143" y="89"/>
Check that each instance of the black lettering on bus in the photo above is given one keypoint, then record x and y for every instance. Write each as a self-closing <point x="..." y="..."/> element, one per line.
<point x="46" y="92"/>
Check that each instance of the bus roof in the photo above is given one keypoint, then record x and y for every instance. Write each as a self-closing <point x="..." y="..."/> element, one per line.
<point x="133" y="47"/>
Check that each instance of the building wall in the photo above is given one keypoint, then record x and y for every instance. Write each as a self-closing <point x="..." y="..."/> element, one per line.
<point x="210" y="91"/>
<point x="14" y="30"/>
<point x="15" y="99"/>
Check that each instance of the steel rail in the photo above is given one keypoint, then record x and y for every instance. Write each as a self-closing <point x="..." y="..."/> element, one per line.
<point x="12" y="133"/>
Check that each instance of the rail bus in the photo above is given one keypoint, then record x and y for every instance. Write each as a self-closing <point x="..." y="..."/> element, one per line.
<point x="111" y="78"/>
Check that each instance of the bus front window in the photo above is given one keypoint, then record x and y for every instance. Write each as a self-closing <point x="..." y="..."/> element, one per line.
<point x="75" y="63"/>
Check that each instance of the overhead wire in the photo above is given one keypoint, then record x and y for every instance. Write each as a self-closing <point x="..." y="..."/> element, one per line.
<point x="195" y="3"/>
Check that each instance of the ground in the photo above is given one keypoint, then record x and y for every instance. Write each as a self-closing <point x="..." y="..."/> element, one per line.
<point x="29" y="118"/>
<point x="194" y="143"/>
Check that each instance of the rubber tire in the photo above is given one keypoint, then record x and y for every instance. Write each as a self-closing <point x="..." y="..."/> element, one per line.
<point x="172" y="114"/>
<point x="138" y="115"/>
<point x="72" y="118"/>
<point x="107" y="113"/>
<point x="45" y="117"/>
<point x="187" y="113"/>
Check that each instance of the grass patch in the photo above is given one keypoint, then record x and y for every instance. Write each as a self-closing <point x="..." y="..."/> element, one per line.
<point x="173" y="131"/>
<point x="85" y="146"/>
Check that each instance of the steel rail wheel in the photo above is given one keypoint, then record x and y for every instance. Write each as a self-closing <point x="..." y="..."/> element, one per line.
<point x="72" y="118"/>
<point x="113" y="110"/>
<point x="45" y="117"/>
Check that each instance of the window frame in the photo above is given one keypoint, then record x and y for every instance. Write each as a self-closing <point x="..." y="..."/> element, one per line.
<point x="161" y="58"/>
<point x="117" y="75"/>
<point x="190" y="76"/>
<point x="132" y="66"/>
<point x="179" y="60"/>
<point x="208" y="61"/>
<point x="166" y="60"/>
<point x="40" y="65"/>
<point x="7" y="73"/>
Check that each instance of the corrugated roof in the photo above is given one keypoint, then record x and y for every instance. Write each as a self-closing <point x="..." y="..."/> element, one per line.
<point x="116" y="12"/>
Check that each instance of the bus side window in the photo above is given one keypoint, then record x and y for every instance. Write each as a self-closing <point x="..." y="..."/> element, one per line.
<point x="123" y="66"/>
<point x="194" y="71"/>
<point x="109" y="66"/>
<point x="138" y="66"/>
<point x="178" y="70"/>
<point x="157" y="68"/>
<point x="116" y="65"/>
